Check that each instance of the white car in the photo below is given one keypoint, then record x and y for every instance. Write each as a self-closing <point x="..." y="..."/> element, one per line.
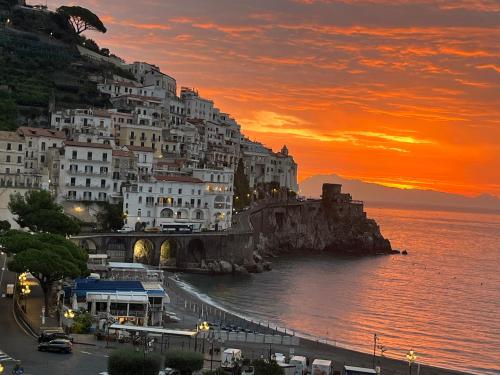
<point x="125" y="229"/>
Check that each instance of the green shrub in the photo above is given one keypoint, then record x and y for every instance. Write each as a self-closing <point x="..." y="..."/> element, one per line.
<point x="4" y="225"/>
<point x="82" y="322"/>
<point x="267" y="368"/>
<point x="185" y="362"/>
<point x="131" y="362"/>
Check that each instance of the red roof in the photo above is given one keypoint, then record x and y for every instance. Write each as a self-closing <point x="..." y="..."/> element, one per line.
<point x="139" y="148"/>
<point x="128" y="154"/>
<point x="27" y="131"/>
<point x="179" y="179"/>
<point x="87" y="144"/>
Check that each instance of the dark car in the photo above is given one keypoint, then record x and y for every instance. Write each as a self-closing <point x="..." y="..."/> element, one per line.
<point x="49" y="336"/>
<point x="60" y="345"/>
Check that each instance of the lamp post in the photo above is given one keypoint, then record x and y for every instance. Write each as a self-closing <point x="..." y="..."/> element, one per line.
<point x="202" y="326"/>
<point x="411" y="357"/>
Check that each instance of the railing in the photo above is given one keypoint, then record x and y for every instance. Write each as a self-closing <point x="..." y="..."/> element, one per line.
<point x="88" y="173"/>
<point x="68" y="184"/>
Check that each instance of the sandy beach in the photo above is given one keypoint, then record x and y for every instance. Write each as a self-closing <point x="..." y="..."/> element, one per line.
<point x="191" y="309"/>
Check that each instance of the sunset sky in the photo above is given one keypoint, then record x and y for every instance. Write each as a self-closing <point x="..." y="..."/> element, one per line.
<point x="405" y="93"/>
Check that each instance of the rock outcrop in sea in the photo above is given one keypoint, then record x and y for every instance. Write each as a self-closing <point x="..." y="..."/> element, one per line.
<point x="335" y="223"/>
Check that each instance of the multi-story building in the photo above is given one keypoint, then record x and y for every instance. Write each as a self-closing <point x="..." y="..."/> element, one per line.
<point x="124" y="172"/>
<point x="38" y="141"/>
<point x="93" y="124"/>
<point x="203" y="201"/>
<point x="149" y="74"/>
<point x="196" y="106"/>
<point x="12" y="152"/>
<point x="263" y="166"/>
<point x="85" y="171"/>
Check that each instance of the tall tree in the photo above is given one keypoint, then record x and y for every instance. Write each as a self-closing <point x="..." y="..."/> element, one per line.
<point x="81" y="19"/>
<point x="38" y="211"/>
<point x="241" y="187"/>
<point x="111" y="216"/>
<point x="48" y="257"/>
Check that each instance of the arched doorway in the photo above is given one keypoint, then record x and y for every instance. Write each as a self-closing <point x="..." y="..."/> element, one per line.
<point x="168" y="253"/>
<point x="143" y="251"/>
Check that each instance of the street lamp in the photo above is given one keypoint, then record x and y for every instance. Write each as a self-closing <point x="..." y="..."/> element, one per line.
<point x="25" y="290"/>
<point x="201" y="326"/>
<point x="411" y="357"/>
<point x="69" y="314"/>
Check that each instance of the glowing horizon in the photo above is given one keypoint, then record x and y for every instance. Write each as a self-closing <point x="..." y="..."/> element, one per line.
<point x="401" y="92"/>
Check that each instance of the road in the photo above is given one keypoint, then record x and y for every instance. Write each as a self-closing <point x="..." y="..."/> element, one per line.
<point x="85" y="360"/>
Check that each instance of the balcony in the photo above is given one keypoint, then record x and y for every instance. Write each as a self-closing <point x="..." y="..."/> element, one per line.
<point x="73" y="172"/>
<point x="80" y="198"/>
<point x="84" y="186"/>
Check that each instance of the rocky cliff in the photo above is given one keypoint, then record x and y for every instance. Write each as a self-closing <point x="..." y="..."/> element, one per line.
<point x="335" y="223"/>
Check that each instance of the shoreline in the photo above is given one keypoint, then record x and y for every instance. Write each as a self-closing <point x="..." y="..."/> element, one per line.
<point x="188" y="304"/>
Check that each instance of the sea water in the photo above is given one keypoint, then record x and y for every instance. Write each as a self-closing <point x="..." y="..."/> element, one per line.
<point x="442" y="299"/>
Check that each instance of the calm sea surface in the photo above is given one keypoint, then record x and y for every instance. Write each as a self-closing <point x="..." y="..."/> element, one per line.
<point x="442" y="300"/>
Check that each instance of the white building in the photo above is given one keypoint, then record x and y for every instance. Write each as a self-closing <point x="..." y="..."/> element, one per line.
<point x="85" y="171"/>
<point x="38" y="142"/>
<point x="12" y="151"/>
<point x="203" y="201"/>
<point x="91" y="124"/>
<point x="196" y="106"/>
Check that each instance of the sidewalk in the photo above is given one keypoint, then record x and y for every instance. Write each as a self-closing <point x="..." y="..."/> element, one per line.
<point x="33" y="304"/>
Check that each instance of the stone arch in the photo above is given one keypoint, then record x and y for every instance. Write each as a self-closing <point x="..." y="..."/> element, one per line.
<point x="168" y="252"/>
<point x="167" y="213"/>
<point x="196" y="251"/>
<point x="197" y="215"/>
<point x="144" y="251"/>
<point x="219" y="202"/>
<point x="89" y="245"/>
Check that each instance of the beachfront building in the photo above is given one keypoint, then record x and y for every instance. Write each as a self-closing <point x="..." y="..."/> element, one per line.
<point x="201" y="201"/>
<point x="124" y="301"/>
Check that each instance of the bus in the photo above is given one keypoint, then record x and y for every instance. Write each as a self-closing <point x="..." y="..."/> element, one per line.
<point x="176" y="228"/>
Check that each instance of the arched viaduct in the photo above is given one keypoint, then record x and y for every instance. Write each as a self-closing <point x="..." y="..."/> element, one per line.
<point x="170" y="250"/>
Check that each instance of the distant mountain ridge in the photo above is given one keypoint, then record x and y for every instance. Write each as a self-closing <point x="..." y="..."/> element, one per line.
<point x="380" y="194"/>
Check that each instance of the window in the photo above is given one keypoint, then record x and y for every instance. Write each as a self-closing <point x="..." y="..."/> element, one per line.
<point x="105" y="157"/>
<point x="7" y="158"/>
<point x="73" y="180"/>
<point x="87" y="182"/>
<point x="19" y="147"/>
<point x="43" y="146"/>
<point x="18" y="160"/>
<point x="140" y="199"/>
<point x="42" y="159"/>
<point x="30" y="143"/>
<point x="103" y="183"/>
<point x="180" y="191"/>
<point x="9" y="146"/>
<point x="89" y="155"/>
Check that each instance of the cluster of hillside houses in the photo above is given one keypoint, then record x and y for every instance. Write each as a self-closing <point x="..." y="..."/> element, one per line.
<point x="169" y="156"/>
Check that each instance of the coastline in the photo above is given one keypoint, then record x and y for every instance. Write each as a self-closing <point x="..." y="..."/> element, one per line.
<point x="189" y="306"/>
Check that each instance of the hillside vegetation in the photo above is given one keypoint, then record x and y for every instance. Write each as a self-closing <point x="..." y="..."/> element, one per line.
<point x="41" y="68"/>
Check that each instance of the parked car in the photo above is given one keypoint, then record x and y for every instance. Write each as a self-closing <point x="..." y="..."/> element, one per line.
<point x="125" y="229"/>
<point x="49" y="336"/>
<point x="59" y="345"/>
<point x="169" y="371"/>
